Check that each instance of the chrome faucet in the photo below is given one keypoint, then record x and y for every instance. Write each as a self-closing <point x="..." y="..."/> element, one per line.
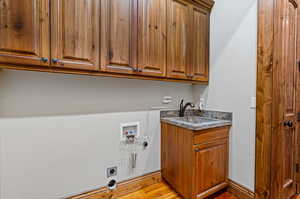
<point x="184" y="107"/>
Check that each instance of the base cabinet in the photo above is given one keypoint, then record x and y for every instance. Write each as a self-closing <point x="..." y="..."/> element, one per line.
<point x="195" y="163"/>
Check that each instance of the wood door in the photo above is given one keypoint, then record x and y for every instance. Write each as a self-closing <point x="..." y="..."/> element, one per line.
<point x="297" y="153"/>
<point x="152" y="41"/>
<point x="200" y="43"/>
<point x="284" y="141"/>
<point x="75" y="34"/>
<point x="24" y="32"/>
<point x="119" y="36"/>
<point x="178" y="21"/>
<point x="211" y="160"/>
<point x="298" y="111"/>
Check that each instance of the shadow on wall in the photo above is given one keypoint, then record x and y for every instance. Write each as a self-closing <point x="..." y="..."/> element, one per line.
<point x="34" y="94"/>
<point x="225" y="22"/>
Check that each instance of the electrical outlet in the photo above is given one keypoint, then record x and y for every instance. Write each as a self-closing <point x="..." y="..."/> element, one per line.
<point x="167" y="100"/>
<point x="253" y="102"/>
<point x="111" y="171"/>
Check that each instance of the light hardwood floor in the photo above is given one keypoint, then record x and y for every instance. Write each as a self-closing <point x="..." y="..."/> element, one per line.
<point x="163" y="191"/>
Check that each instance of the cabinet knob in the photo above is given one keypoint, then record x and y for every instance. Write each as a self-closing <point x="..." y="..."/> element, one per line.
<point x="190" y="75"/>
<point x="55" y="60"/>
<point x="44" y="59"/>
<point x="197" y="150"/>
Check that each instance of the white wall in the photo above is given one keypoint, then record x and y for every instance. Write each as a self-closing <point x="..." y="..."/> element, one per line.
<point x="59" y="133"/>
<point x="24" y="94"/>
<point x="56" y="157"/>
<point x="233" y="80"/>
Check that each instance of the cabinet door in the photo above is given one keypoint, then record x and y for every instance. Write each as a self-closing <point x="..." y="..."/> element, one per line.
<point x="76" y="34"/>
<point x="152" y="43"/>
<point x="119" y="36"/>
<point x="211" y="168"/>
<point x="200" y="44"/>
<point x="24" y="32"/>
<point x="178" y="59"/>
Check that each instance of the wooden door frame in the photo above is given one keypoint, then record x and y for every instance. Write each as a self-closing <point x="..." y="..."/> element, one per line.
<point x="267" y="97"/>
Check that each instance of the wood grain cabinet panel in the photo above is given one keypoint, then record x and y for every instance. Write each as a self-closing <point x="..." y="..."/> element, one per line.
<point x="178" y="57"/>
<point x="119" y="36"/>
<point x="194" y="163"/>
<point x="161" y="39"/>
<point x="200" y="43"/>
<point x="210" y="165"/>
<point x="24" y="32"/>
<point x="75" y="34"/>
<point x="152" y="37"/>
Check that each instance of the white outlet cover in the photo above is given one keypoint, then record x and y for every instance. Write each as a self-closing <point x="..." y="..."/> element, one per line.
<point x="253" y="102"/>
<point x="167" y="101"/>
<point x="167" y="97"/>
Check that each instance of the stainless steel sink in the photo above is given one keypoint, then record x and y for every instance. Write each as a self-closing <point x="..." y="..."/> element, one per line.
<point x="196" y="122"/>
<point x="194" y="119"/>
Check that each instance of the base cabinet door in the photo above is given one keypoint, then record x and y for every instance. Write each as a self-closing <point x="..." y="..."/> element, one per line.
<point x="24" y="32"/>
<point x="200" y="44"/>
<point x="75" y="34"/>
<point x="152" y="37"/>
<point x="210" y="160"/>
<point x="119" y="36"/>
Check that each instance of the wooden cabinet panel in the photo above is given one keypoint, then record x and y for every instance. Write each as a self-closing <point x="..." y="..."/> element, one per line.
<point x="208" y="135"/>
<point x="210" y="165"/>
<point x="152" y="42"/>
<point x="194" y="170"/>
<point x="24" y="32"/>
<point x="178" y="59"/>
<point x="119" y="36"/>
<point x="200" y="44"/>
<point x="76" y="34"/>
<point x="176" y="158"/>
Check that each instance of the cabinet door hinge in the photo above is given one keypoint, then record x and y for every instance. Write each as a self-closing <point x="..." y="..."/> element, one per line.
<point x="297" y="168"/>
<point x="298" y="117"/>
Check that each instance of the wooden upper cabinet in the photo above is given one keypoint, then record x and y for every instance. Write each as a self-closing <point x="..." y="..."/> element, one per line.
<point x="24" y="32"/>
<point x="157" y="38"/>
<point x="178" y="59"/>
<point x="152" y="41"/>
<point x="200" y="43"/>
<point x="119" y="36"/>
<point x="75" y="34"/>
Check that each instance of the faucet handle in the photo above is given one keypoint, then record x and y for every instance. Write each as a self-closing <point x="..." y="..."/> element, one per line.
<point x="181" y="102"/>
